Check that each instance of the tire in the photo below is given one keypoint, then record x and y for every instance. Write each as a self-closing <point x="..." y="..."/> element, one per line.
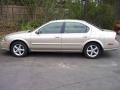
<point x="92" y="50"/>
<point x="19" y="49"/>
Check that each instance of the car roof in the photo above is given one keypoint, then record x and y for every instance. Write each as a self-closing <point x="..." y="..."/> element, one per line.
<point x="68" y="20"/>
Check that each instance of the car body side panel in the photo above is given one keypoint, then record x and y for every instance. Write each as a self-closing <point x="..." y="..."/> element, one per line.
<point x="19" y="37"/>
<point x="73" y="41"/>
<point x="46" y="41"/>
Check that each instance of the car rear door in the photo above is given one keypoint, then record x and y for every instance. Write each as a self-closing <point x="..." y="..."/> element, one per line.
<point x="74" y="35"/>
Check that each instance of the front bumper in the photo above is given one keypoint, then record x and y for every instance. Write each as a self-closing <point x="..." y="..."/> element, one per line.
<point x="4" y="45"/>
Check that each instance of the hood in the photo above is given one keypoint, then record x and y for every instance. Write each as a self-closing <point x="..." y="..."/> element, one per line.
<point x="20" y="32"/>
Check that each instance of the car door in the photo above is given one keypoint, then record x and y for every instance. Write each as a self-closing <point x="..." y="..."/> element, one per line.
<point x="74" y="35"/>
<point x="49" y="37"/>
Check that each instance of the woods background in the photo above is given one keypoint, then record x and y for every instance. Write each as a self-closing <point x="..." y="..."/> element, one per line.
<point x="18" y="15"/>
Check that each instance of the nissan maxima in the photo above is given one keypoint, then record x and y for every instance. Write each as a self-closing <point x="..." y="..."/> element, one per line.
<point x="61" y="36"/>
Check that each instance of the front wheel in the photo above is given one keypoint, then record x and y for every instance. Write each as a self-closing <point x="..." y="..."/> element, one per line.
<point x="19" y="49"/>
<point x="92" y="50"/>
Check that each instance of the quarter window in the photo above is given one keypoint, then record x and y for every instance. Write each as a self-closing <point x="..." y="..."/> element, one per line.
<point x="75" y="27"/>
<point x="52" y="28"/>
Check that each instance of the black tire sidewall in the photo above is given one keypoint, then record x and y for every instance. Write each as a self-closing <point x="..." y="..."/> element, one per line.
<point x="24" y="45"/>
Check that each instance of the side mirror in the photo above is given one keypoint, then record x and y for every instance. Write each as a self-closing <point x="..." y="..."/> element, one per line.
<point x="37" y="32"/>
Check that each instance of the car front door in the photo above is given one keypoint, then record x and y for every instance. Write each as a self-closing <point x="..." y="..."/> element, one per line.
<point x="48" y="37"/>
<point x="74" y="35"/>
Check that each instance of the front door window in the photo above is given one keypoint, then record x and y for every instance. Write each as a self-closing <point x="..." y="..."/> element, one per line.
<point x="52" y="28"/>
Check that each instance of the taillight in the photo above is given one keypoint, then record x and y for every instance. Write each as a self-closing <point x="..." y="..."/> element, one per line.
<point x="117" y="37"/>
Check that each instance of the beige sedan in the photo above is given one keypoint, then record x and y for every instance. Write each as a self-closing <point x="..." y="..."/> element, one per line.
<point x="61" y="36"/>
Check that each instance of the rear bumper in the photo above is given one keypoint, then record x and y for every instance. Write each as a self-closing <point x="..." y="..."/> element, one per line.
<point x="111" y="49"/>
<point x="114" y="46"/>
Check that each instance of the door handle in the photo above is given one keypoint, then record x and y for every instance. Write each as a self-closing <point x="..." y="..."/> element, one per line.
<point x="85" y="36"/>
<point x="57" y="37"/>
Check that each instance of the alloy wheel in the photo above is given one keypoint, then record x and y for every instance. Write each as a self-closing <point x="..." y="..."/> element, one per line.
<point x="18" y="49"/>
<point x="92" y="51"/>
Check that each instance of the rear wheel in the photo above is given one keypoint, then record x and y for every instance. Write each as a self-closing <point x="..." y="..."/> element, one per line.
<point x="92" y="50"/>
<point x="19" y="49"/>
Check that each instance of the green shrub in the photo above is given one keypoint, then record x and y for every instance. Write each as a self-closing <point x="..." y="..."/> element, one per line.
<point x="28" y="25"/>
<point x="74" y="10"/>
<point x="101" y="15"/>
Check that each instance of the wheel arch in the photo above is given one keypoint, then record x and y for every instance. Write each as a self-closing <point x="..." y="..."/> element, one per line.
<point x="18" y="40"/>
<point x="94" y="41"/>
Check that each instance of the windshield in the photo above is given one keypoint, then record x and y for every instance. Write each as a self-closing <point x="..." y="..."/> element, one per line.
<point x="32" y="29"/>
<point x="37" y="27"/>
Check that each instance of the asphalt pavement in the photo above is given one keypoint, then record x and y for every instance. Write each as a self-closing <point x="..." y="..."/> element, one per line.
<point x="60" y="71"/>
